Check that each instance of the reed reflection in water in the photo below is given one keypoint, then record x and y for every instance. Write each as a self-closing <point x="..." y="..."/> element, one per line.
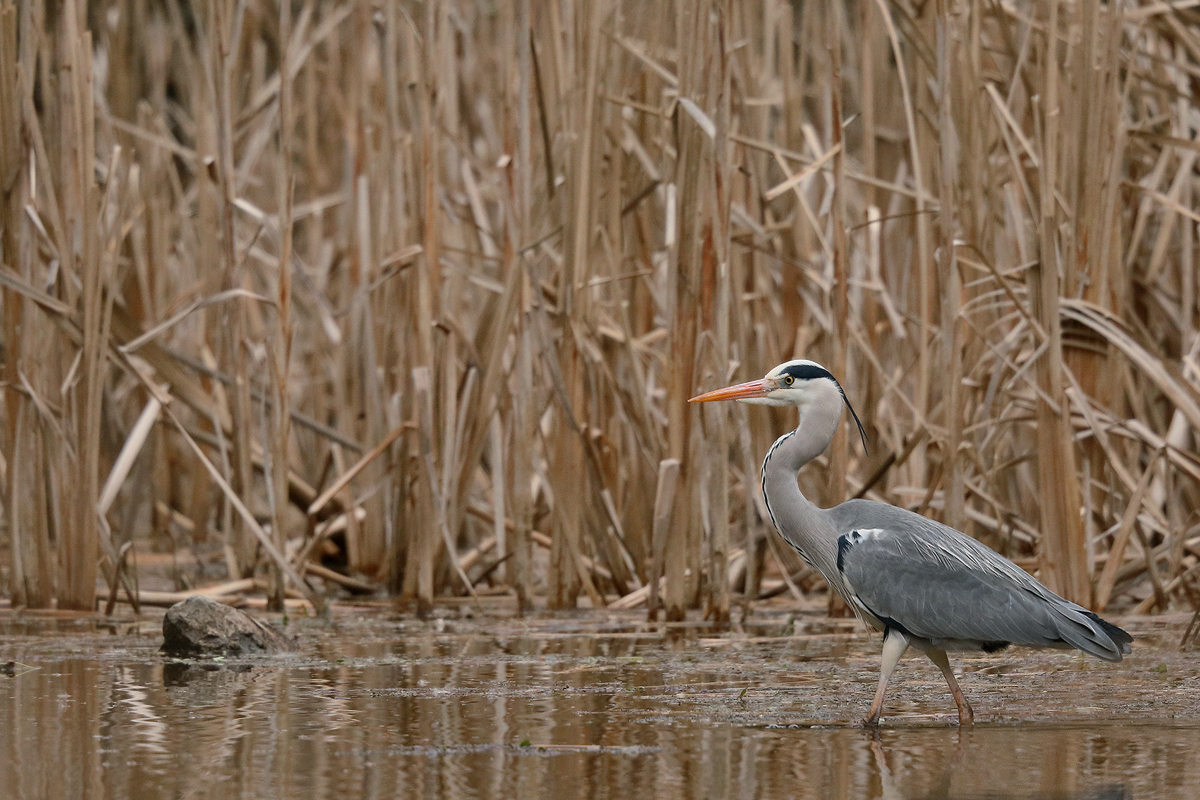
<point x="482" y="716"/>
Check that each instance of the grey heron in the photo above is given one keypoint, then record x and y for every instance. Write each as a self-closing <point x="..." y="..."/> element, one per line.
<point x="923" y="584"/>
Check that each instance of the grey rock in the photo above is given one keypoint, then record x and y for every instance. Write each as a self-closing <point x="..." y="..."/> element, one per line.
<point x="199" y="627"/>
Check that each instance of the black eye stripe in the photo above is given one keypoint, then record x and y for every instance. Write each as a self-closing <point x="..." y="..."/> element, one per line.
<point x="807" y="372"/>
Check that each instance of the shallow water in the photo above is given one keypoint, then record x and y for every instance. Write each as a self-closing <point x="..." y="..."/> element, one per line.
<point x="599" y="706"/>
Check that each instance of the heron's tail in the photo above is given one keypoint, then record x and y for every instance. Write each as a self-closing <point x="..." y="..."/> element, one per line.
<point x="1118" y="636"/>
<point x="1088" y="632"/>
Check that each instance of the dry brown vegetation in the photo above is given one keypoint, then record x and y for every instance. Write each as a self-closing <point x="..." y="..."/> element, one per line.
<point x="413" y="294"/>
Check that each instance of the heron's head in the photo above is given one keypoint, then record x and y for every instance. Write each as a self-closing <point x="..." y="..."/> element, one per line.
<point x="800" y="383"/>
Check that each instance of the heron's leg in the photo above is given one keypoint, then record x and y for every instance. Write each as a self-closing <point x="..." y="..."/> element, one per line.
<point x="965" y="715"/>
<point x="894" y="645"/>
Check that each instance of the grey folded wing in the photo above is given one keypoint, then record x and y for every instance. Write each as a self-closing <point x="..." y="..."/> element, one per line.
<point x="935" y="583"/>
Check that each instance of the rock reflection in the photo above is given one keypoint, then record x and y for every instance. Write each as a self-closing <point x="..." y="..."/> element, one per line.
<point x="183" y="673"/>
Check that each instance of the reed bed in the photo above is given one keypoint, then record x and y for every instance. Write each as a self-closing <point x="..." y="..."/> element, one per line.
<point x="411" y="296"/>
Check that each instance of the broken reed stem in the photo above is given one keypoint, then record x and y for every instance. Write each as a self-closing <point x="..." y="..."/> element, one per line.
<point x="1116" y="552"/>
<point x="268" y="546"/>
<point x="664" y="500"/>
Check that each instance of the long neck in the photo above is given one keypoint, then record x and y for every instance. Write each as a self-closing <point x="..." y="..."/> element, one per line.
<point x="805" y="527"/>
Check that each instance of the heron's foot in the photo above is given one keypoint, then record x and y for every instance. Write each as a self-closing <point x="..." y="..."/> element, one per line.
<point x="869" y="722"/>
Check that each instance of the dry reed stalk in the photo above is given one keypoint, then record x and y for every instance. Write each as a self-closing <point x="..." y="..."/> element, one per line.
<point x="397" y="231"/>
<point x="521" y="419"/>
<point x="1064" y="551"/>
<point x="221" y="61"/>
<point x="280" y="346"/>
<point x="82" y="260"/>
<point x="681" y="566"/>
<point x="129" y="452"/>
<point x="923" y="254"/>
<point x="419" y="570"/>
<point x="32" y="567"/>
<point x="12" y="161"/>
<point x="578" y="79"/>
<point x="419" y="573"/>
<point x="717" y="526"/>
<point x="363" y="387"/>
<point x="951" y="285"/>
<point x="838" y="460"/>
<point x="521" y="435"/>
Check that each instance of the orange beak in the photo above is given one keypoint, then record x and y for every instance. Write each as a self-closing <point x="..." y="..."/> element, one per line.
<point x="741" y="391"/>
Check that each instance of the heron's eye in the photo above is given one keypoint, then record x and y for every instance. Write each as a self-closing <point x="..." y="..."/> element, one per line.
<point x="789" y="380"/>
